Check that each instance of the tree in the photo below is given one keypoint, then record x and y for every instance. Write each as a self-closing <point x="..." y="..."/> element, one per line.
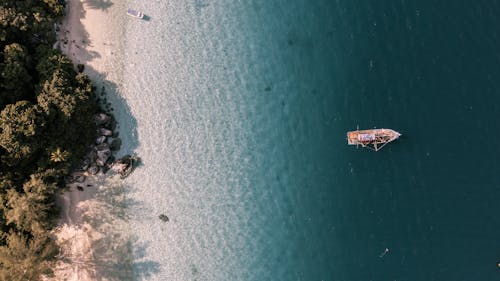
<point x="56" y="97"/>
<point x="27" y="212"/>
<point x="59" y="155"/>
<point x="21" y="125"/>
<point x="23" y="259"/>
<point x="51" y="60"/>
<point x="16" y="80"/>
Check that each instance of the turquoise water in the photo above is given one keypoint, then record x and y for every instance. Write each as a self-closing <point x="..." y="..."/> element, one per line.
<point x="241" y="110"/>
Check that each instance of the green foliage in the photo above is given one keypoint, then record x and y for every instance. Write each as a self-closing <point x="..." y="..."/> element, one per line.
<point x="29" y="212"/>
<point x="16" y="80"/>
<point x="59" y="155"/>
<point x="21" y="125"/>
<point x="57" y="96"/>
<point x="45" y="127"/>
<point x="24" y="258"/>
<point x="51" y="61"/>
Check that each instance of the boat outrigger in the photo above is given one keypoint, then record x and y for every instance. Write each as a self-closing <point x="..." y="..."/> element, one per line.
<point x="135" y="14"/>
<point x="373" y="139"/>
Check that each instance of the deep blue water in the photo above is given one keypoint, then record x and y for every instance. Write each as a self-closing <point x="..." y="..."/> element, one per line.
<point x="429" y="69"/>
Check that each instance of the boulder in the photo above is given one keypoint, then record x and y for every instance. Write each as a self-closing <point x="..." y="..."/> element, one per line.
<point x="103" y="154"/>
<point x="102" y="119"/>
<point x="80" y="178"/>
<point x="93" y="169"/>
<point x="104" y="132"/>
<point x="102" y="157"/>
<point x="100" y="139"/>
<point x="85" y="167"/>
<point x="126" y="165"/>
<point x="102" y="146"/>
<point x="92" y="155"/>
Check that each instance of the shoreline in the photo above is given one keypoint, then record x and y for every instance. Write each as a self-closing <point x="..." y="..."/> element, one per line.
<point x="84" y="36"/>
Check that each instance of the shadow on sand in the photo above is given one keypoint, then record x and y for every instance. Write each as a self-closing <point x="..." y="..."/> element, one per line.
<point x="99" y="4"/>
<point x="117" y="255"/>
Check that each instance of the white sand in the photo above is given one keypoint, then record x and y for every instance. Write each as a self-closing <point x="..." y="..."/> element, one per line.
<point x="87" y="216"/>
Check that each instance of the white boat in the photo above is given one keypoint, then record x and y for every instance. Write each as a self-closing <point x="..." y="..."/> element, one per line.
<point x="135" y="14"/>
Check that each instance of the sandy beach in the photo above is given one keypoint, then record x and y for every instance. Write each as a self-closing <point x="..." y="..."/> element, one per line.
<point x="86" y="37"/>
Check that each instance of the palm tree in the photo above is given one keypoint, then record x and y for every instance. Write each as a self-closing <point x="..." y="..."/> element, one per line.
<point x="59" y="155"/>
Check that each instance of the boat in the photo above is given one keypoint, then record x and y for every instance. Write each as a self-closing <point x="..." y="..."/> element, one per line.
<point x="373" y="139"/>
<point x="135" y="14"/>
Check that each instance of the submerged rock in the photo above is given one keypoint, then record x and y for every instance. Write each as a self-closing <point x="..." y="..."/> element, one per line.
<point x="163" y="218"/>
<point x="115" y="144"/>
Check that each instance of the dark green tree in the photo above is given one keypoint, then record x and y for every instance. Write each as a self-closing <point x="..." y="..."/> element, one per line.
<point x="21" y="125"/>
<point x="16" y="80"/>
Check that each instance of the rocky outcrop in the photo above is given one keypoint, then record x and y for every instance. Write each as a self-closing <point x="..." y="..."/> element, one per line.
<point x="100" y="157"/>
<point x="125" y="165"/>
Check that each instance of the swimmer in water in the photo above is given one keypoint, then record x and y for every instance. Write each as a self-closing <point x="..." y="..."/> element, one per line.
<point x="384" y="253"/>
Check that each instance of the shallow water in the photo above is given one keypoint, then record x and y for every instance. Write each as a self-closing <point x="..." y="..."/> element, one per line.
<point x="241" y="111"/>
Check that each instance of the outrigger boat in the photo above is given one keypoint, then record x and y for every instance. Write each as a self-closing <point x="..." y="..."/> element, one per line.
<point x="135" y="14"/>
<point x="373" y="139"/>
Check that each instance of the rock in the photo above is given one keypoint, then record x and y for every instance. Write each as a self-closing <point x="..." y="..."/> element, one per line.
<point x="86" y="161"/>
<point x="92" y="155"/>
<point x="115" y="144"/>
<point x="126" y="165"/>
<point x="104" y="169"/>
<point x="102" y="146"/>
<point x="163" y="217"/>
<point x="120" y="167"/>
<point x="85" y="167"/>
<point x="103" y="154"/>
<point x="80" y="178"/>
<point x="105" y="132"/>
<point x="100" y="140"/>
<point x="102" y="159"/>
<point x="101" y="119"/>
<point x="93" y="169"/>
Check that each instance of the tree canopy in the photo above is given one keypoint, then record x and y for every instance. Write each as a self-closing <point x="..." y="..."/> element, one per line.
<point x="46" y="111"/>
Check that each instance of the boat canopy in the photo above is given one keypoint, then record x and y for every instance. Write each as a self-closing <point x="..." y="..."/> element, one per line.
<point x="366" y="137"/>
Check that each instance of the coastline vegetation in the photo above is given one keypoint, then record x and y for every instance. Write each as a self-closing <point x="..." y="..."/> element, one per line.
<point x="46" y="110"/>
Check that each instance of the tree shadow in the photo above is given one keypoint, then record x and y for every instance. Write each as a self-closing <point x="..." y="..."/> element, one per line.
<point x="75" y="43"/>
<point x="99" y="4"/>
<point x="116" y="254"/>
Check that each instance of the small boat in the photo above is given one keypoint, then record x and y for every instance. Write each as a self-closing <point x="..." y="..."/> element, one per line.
<point x="135" y="14"/>
<point x="373" y="139"/>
